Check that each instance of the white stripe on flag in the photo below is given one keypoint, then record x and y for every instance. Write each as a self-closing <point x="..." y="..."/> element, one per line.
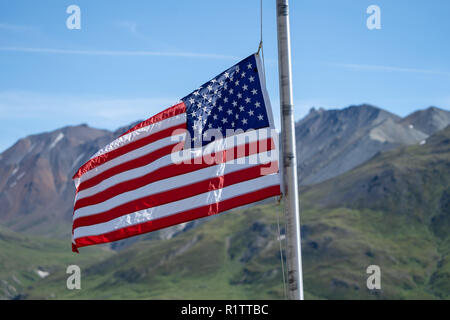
<point x="142" y="133"/>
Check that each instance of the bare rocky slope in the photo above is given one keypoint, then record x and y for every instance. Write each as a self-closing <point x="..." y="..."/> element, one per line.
<point x="36" y="190"/>
<point x="331" y="142"/>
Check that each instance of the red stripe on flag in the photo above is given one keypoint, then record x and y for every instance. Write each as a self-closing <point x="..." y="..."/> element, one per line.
<point x="177" y="194"/>
<point x="168" y="113"/>
<point x="95" y="162"/>
<point x="173" y="170"/>
<point x="178" y="218"/>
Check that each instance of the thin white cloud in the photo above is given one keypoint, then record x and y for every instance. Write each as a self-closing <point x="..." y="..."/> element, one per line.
<point x="14" y="27"/>
<point x="118" y="53"/>
<point x="97" y="111"/>
<point x="388" y="68"/>
<point x="23" y="113"/>
<point x="131" y="26"/>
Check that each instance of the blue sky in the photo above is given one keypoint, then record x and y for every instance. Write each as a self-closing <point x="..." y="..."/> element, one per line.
<point x="131" y="59"/>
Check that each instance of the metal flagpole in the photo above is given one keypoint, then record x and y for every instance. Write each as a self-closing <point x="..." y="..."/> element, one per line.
<point x="289" y="161"/>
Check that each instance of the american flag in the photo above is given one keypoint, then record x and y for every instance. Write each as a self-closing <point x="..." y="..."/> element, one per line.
<point x="213" y="151"/>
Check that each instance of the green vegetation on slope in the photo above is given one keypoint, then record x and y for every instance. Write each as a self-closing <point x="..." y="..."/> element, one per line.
<point x="410" y="188"/>
<point x="22" y="256"/>
<point x="234" y="255"/>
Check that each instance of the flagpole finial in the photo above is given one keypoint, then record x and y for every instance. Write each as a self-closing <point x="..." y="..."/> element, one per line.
<point x="259" y="47"/>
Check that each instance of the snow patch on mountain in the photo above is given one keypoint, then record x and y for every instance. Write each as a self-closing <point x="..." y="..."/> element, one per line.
<point x="42" y="274"/>
<point x="14" y="171"/>
<point x="57" y="139"/>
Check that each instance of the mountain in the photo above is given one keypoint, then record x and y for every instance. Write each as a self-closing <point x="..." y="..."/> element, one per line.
<point x="331" y="142"/>
<point x="392" y="211"/>
<point x="429" y="120"/>
<point x="36" y="189"/>
<point x="417" y="174"/>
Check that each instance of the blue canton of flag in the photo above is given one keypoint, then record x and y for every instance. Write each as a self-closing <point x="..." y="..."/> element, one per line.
<point x="233" y="100"/>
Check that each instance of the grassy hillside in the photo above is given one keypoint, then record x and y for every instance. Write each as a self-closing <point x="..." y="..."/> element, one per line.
<point x="21" y="257"/>
<point x="236" y="255"/>
<point x="409" y="190"/>
<point x="392" y="211"/>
